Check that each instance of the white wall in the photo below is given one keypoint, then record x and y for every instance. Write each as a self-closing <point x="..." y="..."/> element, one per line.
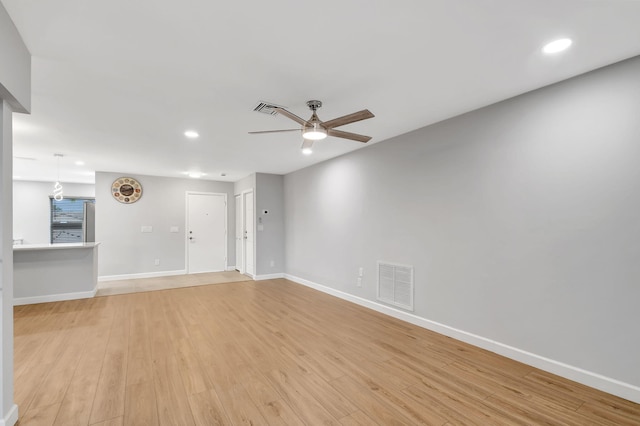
<point x="521" y="220"/>
<point x="125" y="250"/>
<point x="270" y="227"/>
<point x="32" y="210"/>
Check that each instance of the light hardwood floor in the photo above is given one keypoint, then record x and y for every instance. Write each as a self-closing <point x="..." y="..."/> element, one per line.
<point x="272" y="353"/>
<point x="136" y="285"/>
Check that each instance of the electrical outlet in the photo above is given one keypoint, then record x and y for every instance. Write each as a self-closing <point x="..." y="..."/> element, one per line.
<point x="361" y="271"/>
<point x="272" y="263"/>
<point x="156" y="262"/>
<point x="359" y="284"/>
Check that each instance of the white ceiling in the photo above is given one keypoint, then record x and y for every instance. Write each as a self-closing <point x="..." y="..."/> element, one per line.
<point x="116" y="83"/>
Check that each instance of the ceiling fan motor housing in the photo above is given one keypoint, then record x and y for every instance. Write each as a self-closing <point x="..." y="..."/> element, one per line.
<point x="314" y="105"/>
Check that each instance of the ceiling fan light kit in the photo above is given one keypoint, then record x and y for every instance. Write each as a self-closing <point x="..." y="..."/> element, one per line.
<point x="314" y="133"/>
<point x="315" y="129"/>
<point x="306" y="147"/>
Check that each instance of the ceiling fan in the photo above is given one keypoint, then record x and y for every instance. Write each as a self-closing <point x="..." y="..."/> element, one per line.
<point x="315" y="129"/>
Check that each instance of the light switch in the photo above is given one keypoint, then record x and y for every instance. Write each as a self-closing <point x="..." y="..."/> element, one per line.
<point x="173" y="229"/>
<point x="146" y="228"/>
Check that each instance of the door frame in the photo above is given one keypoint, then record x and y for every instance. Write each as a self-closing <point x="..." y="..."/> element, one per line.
<point x="239" y="223"/>
<point x="243" y="269"/>
<point x="186" y="227"/>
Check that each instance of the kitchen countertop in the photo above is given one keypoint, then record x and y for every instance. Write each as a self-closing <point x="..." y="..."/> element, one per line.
<point x="23" y="247"/>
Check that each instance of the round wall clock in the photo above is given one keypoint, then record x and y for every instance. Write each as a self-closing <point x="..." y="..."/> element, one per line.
<point x="126" y="190"/>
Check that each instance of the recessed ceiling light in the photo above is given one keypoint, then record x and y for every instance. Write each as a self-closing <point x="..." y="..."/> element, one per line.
<point x="191" y="134"/>
<point x="79" y="163"/>
<point x="307" y="151"/>
<point x="195" y="175"/>
<point x="557" y="46"/>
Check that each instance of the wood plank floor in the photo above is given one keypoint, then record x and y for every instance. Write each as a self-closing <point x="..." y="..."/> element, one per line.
<point x="136" y="285"/>
<point x="272" y="353"/>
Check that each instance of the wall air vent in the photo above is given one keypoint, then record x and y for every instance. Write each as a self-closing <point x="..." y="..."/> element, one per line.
<point x="267" y="108"/>
<point x="395" y="285"/>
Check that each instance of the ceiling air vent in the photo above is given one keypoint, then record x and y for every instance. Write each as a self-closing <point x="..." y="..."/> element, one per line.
<point x="395" y="285"/>
<point x="266" y="108"/>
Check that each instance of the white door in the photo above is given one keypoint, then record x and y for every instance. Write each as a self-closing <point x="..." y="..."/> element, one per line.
<point x="206" y="232"/>
<point x="239" y="232"/>
<point x="247" y="198"/>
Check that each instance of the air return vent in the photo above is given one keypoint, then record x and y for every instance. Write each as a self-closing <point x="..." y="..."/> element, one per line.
<point x="267" y="108"/>
<point x="395" y="285"/>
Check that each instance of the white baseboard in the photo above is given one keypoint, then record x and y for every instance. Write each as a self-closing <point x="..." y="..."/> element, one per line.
<point x="588" y="378"/>
<point x="11" y="418"/>
<point x="268" y="277"/>
<point x="231" y="268"/>
<point x="54" y="297"/>
<point x="141" y="275"/>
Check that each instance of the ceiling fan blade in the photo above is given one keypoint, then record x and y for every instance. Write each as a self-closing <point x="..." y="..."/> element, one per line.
<point x="348" y="135"/>
<point x="291" y="116"/>
<point x="274" y="131"/>
<point x="349" y="118"/>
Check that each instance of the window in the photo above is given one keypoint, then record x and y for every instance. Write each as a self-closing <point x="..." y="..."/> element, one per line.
<point x="67" y="219"/>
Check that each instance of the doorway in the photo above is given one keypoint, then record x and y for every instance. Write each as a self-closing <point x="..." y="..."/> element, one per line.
<point x="206" y="229"/>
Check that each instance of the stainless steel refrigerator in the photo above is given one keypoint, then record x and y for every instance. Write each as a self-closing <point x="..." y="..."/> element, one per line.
<point x="89" y="223"/>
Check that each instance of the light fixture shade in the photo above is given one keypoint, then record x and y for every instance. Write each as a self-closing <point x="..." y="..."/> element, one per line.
<point x="315" y="135"/>
<point x="306" y="146"/>
<point x="314" y="130"/>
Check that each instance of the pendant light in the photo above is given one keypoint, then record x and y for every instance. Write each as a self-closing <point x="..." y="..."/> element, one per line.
<point x="57" y="188"/>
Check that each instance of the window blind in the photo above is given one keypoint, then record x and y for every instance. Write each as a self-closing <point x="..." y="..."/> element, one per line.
<point x="67" y="216"/>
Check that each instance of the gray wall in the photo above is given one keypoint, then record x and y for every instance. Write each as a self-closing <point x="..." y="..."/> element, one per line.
<point x="15" y="95"/>
<point x="125" y="250"/>
<point x="270" y="227"/>
<point x="244" y="184"/>
<point x="15" y="66"/>
<point x="32" y="208"/>
<point x="54" y="274"/>
<point x="7" y="407"/>
<point x="521" y="220"/>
